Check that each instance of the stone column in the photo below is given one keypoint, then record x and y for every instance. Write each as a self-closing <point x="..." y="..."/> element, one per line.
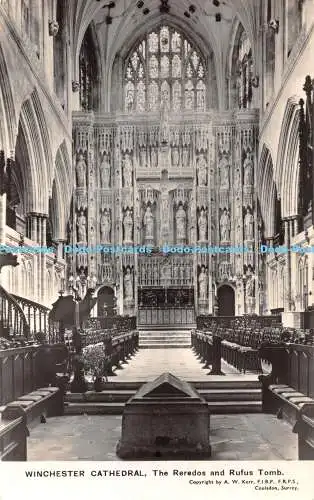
<point x="3" y="207"/>
<point x="91" y="210"/>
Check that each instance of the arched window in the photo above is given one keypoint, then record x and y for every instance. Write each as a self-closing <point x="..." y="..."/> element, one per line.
<point x="165" y="70"/>
<point x="88" y="73"/>
<point x="242" y="63"/>
<point x="294" y="22"/>
<point x="245" y="62"/>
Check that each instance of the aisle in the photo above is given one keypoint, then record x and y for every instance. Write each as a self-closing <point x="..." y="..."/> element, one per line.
<point x="148" y="364"/>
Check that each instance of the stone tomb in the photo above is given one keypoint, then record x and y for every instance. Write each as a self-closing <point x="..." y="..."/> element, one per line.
<point x="166" y="419"/>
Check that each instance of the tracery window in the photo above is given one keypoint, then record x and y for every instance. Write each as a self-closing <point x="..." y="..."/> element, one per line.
<point x="294" y="22"/>
<point x="88" y="73"/>
<point x="165" y="70"/>
<point x="244" y="72"/>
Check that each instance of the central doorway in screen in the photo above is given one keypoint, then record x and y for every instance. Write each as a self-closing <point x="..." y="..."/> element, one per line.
<point x="226" y="301"/>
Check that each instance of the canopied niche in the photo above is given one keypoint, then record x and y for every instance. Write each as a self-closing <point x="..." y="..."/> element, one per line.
<point x="165" y="68"/>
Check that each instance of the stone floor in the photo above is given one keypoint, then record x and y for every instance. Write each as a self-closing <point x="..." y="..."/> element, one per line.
<point x="233" y="437"/>
<point x="181" y="362"/>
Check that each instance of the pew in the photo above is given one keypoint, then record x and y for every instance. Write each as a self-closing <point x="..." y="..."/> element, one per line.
<point x="208" y="349"/>
<point x="288" y="387"/>
<point x="305" y="430"/>
<point x="13" y="437"/>
<point x="39" y="404"/>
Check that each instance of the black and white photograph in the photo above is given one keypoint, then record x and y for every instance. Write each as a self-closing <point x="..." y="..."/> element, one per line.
<point x="157" y="233"/>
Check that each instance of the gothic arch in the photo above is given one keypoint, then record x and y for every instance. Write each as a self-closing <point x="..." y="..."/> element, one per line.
<point x="232" y="62"/>
<point x="90" y="30"/>
<point x="287" y="168"/>
<point x="8" y="123"/>
<point x="61" y="193"/>
<point x="36" y="144"/>
<point x="121" y="49"/>
<point x="89" y="70"/>
<point x="267" y="192"/>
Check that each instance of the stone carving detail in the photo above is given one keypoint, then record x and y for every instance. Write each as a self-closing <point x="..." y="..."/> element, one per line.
<point x="175" y="157"/>
<point x="154" y="157"/>
<point x="53" y="28"/>
<point x="143" y="158"/>
<point x="202" y="225"/>
<point x="81" y="169"/>
<point x="105" y="172"/>
<point x="81" y="228"/>
<point x="105" y="227"/>
<point x="128" y="284"/>
<point x="75" y="86"/>
<point x="128" y="171"/>
<point x="224" y="171"/>
<point x="248" y="169"/>
<point x="181" y="224"/>
<point x="225" y="226"/>
<point x="248" y="225"/>
<point x="164" y="124"/>
<point x="157" y="206"/>
<point x="186" y="157"/>
<point x="149" y="225"/>
<point x="202" y="170"/>
<point x="203" y="284"/>
<point x="128" y="227"/>
<point x="250" y="287"/>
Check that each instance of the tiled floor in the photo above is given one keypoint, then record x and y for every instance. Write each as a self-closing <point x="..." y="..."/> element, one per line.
<point x="233" y="437"/>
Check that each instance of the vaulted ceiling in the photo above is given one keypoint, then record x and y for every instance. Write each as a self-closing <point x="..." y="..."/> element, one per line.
<point x="130" y="17"/>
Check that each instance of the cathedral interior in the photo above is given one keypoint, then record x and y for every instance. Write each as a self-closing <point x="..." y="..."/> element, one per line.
<point x="156" y="179"/>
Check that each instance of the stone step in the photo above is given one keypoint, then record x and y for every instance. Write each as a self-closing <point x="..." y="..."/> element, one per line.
<point x="214" y="383"/>
<point x="165" y="331"/>
<point x="164" y="346"/>
<point x="84" y="408"/>
<point x="154" y="328"/>
<point x="116" y="408"/>
<point x="124" y="395"/>
<point x="165" y="338"/>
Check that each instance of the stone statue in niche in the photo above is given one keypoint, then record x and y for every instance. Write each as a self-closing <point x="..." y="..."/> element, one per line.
<point x="202" y="284"/>
<point x="81" y="172"/>
<point x="154" y="158"/>
<point x="92" y="282"/>
<point x="250" y="287"/>
<point x="128" y="171"/>
<point x="202" y="225"/>
<point x="81" y="227"/>
<point x="128" y="285"/>
<point x="105" y="172"/>
<point x="128" y="226"/>
<point x="164" y="209"/>
<point x="143" y="160"/>
<point x="225" y="226"/>
<point x="164" y="122"/>
<point x="248" y="169"/>
<point x="237" y="178"/>
<point x="202" y="170"/>
<point x="248" y="225"/>
<point x="175" y="157"/>
<point x="181" y="223"/>
<point x="186" y="157"/>
<point x="224" y="169"/>
<point x="105" y="226"/>
<point x="149" y="224"/>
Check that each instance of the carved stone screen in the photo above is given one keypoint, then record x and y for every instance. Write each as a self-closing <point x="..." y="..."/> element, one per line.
<point x="168" y="172"/>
